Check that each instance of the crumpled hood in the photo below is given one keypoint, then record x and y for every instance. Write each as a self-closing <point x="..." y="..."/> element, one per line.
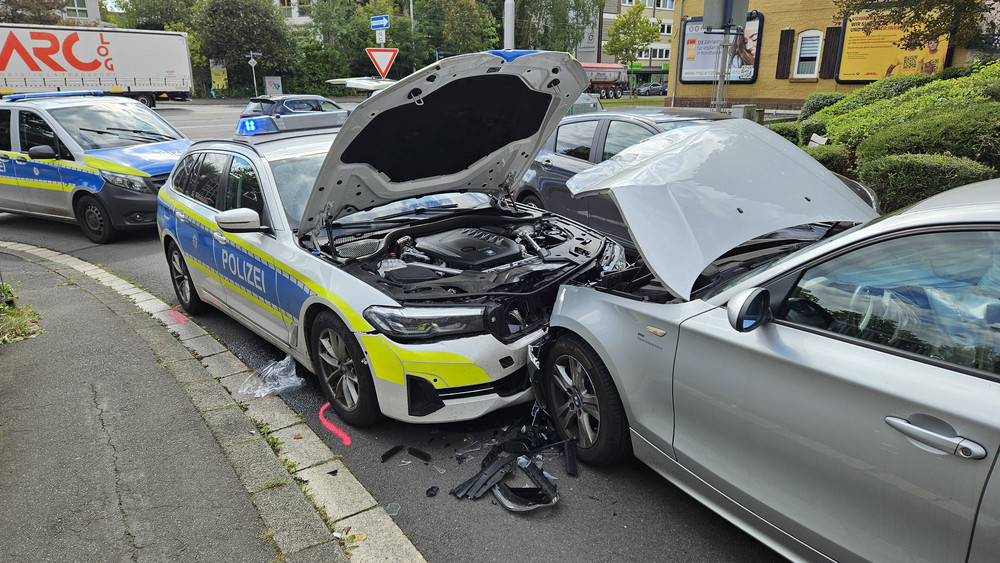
<point x="151" y="158"/>
<point x="466" y="123"/>
<point x="691" y="194"/>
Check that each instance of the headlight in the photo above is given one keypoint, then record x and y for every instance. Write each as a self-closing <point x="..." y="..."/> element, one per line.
<point x="127" y="181"/>
<point x="426" y="322"/>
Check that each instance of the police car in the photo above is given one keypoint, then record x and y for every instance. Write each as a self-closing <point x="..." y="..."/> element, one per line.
<point x="79" y="156"/>
<point x="387" y="257"/>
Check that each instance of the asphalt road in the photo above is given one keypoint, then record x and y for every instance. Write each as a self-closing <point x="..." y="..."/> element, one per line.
<point x="621" y="513"/>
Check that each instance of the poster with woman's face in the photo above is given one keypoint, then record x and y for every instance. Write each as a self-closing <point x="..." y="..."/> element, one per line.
<point x="700" y="57"/>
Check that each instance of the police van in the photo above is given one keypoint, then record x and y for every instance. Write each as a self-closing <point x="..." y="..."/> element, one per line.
<point x="86" y="158"/>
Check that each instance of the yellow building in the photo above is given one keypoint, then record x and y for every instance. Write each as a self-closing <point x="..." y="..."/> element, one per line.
<point x="789" y="50"/>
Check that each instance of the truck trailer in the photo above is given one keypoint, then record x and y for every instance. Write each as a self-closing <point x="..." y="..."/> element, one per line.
<point x="606" y="79"/>
<point x="139" y="64"/>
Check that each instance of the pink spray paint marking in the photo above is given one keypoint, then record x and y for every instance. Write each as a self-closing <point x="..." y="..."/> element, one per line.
<point x="332" y="428"/>
<point x="173" y="313"/>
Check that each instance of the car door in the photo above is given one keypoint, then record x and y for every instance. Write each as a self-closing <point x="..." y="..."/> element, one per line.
<point x="863" y="420"/>
<point x="604" y="214"/>
<point x="10" y="190"/>
<point x="41" y="180"/>
<point x="244" y="259"/>
<point x="572" y="150"/>
<point x="199" y="178"/>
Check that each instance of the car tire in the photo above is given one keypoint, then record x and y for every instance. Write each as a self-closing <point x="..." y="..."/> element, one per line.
<point x="532" y="200"/>
<point x="180" y="278"/>
<point x="583" y="402"/>
<point x="343" y="372"/>
<point x="618" y="93"/>
<point x="94" y="220"/>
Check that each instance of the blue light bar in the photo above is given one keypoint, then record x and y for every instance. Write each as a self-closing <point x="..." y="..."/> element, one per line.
<point x="251" y="126"/>
<point x="53" y="94"/>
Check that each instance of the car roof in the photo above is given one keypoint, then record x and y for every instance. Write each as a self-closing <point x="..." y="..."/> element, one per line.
<point x="651" y="115"/>
<point x="282" y="97"/>
<point x="65" y="101"/>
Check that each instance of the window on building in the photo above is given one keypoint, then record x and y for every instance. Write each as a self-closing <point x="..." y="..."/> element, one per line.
<point x="628" y="2"/>
<point x="665" y="4"/>
<point x="76" y="9"/>
<point x="807" y="54"/>
<point x="286" y="8"/>
<point x="304" y="6"/>
<point x="650" y="3"/>
<point x="667" y="28"/>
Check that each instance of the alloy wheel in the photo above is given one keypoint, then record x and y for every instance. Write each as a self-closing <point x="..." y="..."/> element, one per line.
<point x="577" y="408"/>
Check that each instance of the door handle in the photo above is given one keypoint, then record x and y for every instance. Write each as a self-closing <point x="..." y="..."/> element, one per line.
<point x="219" y="237"/>
<point x="20" y="160"/>
<point x="4" y="158"/>
<point x="955" y="445"/>
<point x="180" y="216"/>
<point x="547" y="164"/>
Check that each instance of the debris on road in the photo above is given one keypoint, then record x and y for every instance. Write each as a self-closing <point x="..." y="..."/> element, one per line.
<point x="275" y="377"/>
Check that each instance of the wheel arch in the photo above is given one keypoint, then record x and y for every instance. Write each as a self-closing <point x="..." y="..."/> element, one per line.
<point x="308" y="319"/>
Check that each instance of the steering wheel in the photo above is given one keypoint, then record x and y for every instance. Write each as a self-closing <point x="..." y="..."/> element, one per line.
<point x="863" y="292"/>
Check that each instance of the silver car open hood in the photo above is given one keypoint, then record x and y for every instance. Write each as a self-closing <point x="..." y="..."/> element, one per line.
<point x="466" y="123"/>
<point x="691" y="194"/>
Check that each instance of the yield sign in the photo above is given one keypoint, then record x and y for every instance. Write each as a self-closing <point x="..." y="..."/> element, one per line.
<point x="382" y="58"/>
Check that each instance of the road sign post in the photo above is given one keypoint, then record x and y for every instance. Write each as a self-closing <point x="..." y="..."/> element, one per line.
<point x="253" y="68"/>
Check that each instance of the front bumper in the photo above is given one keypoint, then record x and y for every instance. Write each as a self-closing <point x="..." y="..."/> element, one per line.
<point x="449" y="381"/>
<point x="129" y="209"/>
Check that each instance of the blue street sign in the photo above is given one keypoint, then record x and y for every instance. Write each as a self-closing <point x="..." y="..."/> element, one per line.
<point x="380" y="22"/>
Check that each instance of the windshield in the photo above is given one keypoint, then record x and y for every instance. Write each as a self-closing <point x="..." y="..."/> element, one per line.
<point x="294" y="177"/>
<point x="106" y="125"/>
<point x="417" y="205"/>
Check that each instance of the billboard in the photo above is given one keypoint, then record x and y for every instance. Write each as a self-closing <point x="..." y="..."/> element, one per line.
<point x="864" y="58"/>
<point x="700" y="56"/>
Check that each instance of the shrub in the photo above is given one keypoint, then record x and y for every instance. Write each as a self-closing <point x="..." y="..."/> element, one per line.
<point x="808" y="127"/>
<point x="852" y="128"/>
<point x="787" y="130"/>
<point x="884" y="89"/>
<point x="904" y="179"/>
<point x="951" y="72"/>
<point x="835" y="158"/>
<point x="973" y="132"/>
<point x="818" y="101"/>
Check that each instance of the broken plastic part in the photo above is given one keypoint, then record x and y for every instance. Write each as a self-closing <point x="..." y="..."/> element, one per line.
<point x="333" y="473"/>
<point x="419" y="454"/>
<point x="550" y="476"/>
<point x="275" y="377"/>
<point x="440" y="471"/>
<point x="432" y="492"/>
<point x="523" y="499"/>
<point x="392" y="509"/>
<point x="405" y="462"/>
<point x="463" y="458"/>
<point x="473" y="447"/>
<point x="391" y="452"/>
<point x="571" y="468"/>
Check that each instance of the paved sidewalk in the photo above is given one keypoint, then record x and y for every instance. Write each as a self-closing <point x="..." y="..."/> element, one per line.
<point x="120" y="441"/>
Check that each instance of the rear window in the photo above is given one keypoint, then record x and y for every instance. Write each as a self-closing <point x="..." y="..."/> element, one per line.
<point x="262" y="107"/>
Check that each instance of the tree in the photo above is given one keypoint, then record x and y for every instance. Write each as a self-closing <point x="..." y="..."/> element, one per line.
<point x="555" y="25"/>
<point x="31" y="11"/>
<point x="923" y="20"/>
<point x="630" y="33"/>
<point x="155" y="14"/>
<point x="356" y="34"/>
<point x="459" y="26"/>
<point x="231" y="29"/>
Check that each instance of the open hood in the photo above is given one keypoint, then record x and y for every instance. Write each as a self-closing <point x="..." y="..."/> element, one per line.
<point x="466" y="123"/>
<point x="691" y="194"/>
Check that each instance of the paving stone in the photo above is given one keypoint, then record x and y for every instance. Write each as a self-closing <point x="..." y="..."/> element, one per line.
<point x="307" y="450"/>
<point x="293" y="520"/>
<point x="189" y="371"/>
<point x="229" y="426"/>
<point x="255" y="464"/>
<point x="342" y="494"/>
<point x="207" y="395"/>
<point x="323" y="553"/>
<point x="272" y="411"/>
<point x="205" y="345"/>
<point x="221" y="365"/>
<point x="385" y="543"/>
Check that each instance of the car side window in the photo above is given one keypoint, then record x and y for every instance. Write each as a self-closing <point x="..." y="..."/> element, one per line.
<point x="35" y="132"/>
<point x="204" y="187"/>
<point x="621" y="135"/>
<point x="243" y="188"/>
<point x="5" y="142"/>
<point x="184" y="172"/>
<point x="933" y="294"/>
<point x="575" y="139"/>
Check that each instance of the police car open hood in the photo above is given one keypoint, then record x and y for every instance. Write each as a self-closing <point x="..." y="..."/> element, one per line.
<point x="691" y="194"/>
<point x="466" y="123"/>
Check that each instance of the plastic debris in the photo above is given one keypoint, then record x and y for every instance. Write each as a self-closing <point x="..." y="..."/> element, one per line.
<point x="463" y="458"/>
<point x="391" y="452"/>
<point x="439" y="470"/>
<point x="473" y="447"/>
<point x="419" y="454"/>
<point x="405" y="462"/>
<point x="432" y="492"/>
<point x="275" y="377"/>
<point x="392" y="509"/>
<point x="332" y="473"/>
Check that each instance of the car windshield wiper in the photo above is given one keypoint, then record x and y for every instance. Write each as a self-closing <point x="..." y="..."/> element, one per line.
<point x="112" y="131"/>
<point x="144" y="132"/>
<point x="389" y="218"/>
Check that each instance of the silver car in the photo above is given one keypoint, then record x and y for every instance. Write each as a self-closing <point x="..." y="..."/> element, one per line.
<point x="836" y="396"/>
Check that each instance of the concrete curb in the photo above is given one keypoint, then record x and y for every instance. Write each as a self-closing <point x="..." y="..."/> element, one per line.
<point x="207" y="372"/>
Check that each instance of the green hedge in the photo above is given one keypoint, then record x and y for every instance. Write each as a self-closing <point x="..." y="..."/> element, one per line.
<point x="787" y="130"/>
<point x="884" y="89"/>
<point x="904" y="179"/>
<point x="818" y="101"/>
<point x="812" y="125"/>
<point x="836" y="158"/>
<point x="973" y="132"/>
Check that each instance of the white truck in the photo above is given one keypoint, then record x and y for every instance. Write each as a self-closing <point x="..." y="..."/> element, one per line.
<point x="139" y="64"/>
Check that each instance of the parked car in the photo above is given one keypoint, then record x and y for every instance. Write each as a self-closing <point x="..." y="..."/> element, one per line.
<point x="288" y="104"/>
<point x="386" y="258"/>
<point x="582" y="141"/>
<point x="86" y="158"/>
<point x="586" y="103"/>
<point x="837" y="396"/>
<point x="651" y="89"/>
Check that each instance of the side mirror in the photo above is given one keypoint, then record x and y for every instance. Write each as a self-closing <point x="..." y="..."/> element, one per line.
<point x="240" y="220"/>
<point x="749" y="309"/>
<point x="41" y="152"/>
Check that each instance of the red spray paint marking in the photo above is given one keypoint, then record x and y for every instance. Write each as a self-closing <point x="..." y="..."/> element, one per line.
<point x="330" y="426"/>
<point x="173" y="313"/>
